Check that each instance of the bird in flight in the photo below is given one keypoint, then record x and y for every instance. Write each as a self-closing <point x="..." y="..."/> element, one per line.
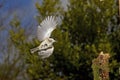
<point x="44" y="30"/>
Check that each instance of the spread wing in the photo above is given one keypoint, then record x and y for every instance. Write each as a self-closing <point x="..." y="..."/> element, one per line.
<point x="46" y="27"/>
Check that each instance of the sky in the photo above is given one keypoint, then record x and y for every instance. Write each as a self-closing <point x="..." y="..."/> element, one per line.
<point x="24" y="9"/>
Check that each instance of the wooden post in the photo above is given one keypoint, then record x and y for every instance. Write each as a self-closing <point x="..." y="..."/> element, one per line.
<point x="118" y="11"/>
<point x="119" y="7"/>
<point x="100" y="67"/>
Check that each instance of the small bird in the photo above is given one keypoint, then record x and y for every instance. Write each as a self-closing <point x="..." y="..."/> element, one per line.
<point x="46" y="48"/>
<point x="44" y="45"/>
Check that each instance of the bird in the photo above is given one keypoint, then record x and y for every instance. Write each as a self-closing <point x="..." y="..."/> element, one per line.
<point x="44" y="30"/>
<point x="45" y="44"/>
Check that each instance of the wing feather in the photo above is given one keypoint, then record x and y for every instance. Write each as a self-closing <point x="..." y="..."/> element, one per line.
<point x="46" y="27"/>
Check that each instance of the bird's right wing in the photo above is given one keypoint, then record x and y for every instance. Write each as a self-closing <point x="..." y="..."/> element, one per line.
<point x="46" y="27"/>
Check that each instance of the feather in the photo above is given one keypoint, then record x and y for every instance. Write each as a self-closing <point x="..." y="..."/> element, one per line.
<point x="46" y="27"/>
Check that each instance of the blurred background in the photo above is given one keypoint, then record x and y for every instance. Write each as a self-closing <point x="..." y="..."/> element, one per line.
<point x="86" y="27"/>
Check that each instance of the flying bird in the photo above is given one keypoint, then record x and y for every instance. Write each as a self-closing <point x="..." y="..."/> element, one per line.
<point x="44" y="45"/>
<point x="44" y="30"/>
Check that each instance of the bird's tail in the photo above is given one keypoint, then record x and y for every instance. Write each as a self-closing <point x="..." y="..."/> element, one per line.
<point x="34" y="50"/>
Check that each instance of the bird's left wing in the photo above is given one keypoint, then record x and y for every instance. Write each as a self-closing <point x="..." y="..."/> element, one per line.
<point x="46" y="27"/>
